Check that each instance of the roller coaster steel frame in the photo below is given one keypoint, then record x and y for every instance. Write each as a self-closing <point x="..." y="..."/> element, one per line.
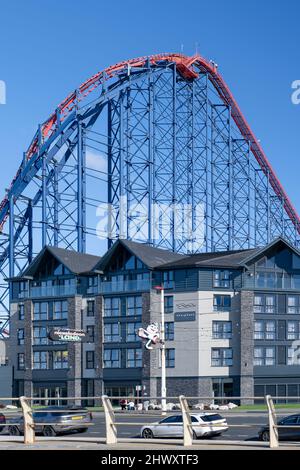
<point x="175" y="136"/>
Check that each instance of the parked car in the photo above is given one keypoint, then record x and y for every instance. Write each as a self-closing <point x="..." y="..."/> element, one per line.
<point x="2" y="421"/>
<point x="58" y="420"/>
<point x="206" y="425"/>
<point x="283" y="433"/>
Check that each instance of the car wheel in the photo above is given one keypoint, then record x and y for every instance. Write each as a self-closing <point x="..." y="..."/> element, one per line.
<point x="82" y="430"/>
<point x="147" y="434"/>
<point x="48" y="431"/>
<point x="14" y="431"/>
<point x="265" y="436"/>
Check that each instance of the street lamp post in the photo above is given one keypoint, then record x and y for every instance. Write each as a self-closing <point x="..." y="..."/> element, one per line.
<point x="163" y="352"/>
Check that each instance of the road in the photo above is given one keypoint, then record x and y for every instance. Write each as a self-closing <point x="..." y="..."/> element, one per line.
<point x="250" y="423"/>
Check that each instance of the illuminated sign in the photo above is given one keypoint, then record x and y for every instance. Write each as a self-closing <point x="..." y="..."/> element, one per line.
<point x="68" y="335"/>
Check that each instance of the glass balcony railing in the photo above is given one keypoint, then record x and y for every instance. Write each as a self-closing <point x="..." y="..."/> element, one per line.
<point x="52" y="291"/>
<point x="124" y="286"/>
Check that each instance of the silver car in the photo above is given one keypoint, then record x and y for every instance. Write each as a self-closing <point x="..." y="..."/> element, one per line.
<point x="53" y="420"/>
<point x="204" y="425"/>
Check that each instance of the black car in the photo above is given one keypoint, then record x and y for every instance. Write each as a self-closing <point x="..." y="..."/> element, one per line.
<point x="284" y="433"/>
<point x="54" y="420"/>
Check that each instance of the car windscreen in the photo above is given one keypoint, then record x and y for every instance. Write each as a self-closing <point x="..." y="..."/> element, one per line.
<point x="209" y="418"/>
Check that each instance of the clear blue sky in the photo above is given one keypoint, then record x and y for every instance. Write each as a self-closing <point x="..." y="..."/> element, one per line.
<point x="49" y="47"/>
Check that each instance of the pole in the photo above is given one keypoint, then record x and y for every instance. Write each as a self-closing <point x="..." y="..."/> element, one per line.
<point x="163" y="354"/>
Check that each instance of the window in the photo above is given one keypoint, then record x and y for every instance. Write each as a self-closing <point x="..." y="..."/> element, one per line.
<point x="221" y="278"/>
<point x="169" y="331"/>
<point x="92" y="284"/>
<point x="264" y="304"/>
<point x="112" y="307"/>
<point x="90" y="359"/>
<point x="21" y="361"/>
<point x="293" y="330"/>
<point x="222" y="329"/>
<point x="112" y="332"/>
<point x="40" y="360"/>
<point x="21" y="312"/>
<point x="168" y="279"/>
<point x="168" y="303"/>
<point x="265" y="329"/>
<point x="134" y="357"/>
<point x="90" y="329"/>
<point x="170" y="358"/>
<point x="131" y="329"/>
<point x="295" y="281"/>
<point x="40" y="335"/>
<point x="221" y="357"/>
<point x="134" y="306"/>
<point x="293" y="306"/>
<point x="90" y="308"/>
<point x="60" y="360"/>
<point x="291" y="357"/>
<point x="21" y="336"/>
<point x="112" y="358"/>
<point x="23" y="285"/>
<point x="60" y="310"/>
<point x="40" y="311"/>
<point x="222" y="303"/>
<point x="264" y="356"/>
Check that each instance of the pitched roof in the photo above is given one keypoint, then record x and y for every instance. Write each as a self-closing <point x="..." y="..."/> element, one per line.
<point x="75" y="262"/>
<point x="231" y="258"/>
<point x="150" y="256"/>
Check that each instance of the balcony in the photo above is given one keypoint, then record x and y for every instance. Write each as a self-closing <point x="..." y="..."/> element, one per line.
<point x="52" y="291"/>
<point x="140" y="285"/>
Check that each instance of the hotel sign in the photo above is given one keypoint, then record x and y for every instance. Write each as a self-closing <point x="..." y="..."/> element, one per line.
<point x="185" y="316"/>
<point x="68" y="335"/>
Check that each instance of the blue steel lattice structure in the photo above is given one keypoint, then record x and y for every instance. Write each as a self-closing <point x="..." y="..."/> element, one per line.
<point x="175" y="147"/>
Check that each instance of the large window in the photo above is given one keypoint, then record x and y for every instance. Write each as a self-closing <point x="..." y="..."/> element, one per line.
<point x="40" y="311"/>
<point x="222" y="329"/>
<point x="90" y="308"/>
<point x="292" y="357"/>
<point x="21" y="361"/>
<point x="293" y="330"/>
<point x="221" y="357"/>
<point x="131" y="329"/>
<point x="92" y="285"/>
<point x="169" y="331"/>
<point x="41" y="360"/>
<point x="134" y="305"/>
<point x="264" y="356"/>
<point x="112" y="358"/>
<point x="112" y="307"/>
<point x="60" y="360"/>
<point x="40" y="335"/>
<point x="221" y="278"/>
<point x="265" y="329"/>
<point x="222" y="303"/>
<point x="21" y="339"/>
<point x="134" y="357"/>
<point x="293" y="304"/>
<point x="90" y="359"/>
<point x="264" y="303"/>
<point x="169" y="304"/>
<point x="170" y="358"/>
<point x="60" y="310"/>
<point x="112" y="332"/>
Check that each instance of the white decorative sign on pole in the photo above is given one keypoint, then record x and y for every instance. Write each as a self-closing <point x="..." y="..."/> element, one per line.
<point x="151" y="334"/>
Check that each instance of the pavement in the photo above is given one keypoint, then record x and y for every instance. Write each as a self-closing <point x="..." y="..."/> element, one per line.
<point x="84" y="443"/>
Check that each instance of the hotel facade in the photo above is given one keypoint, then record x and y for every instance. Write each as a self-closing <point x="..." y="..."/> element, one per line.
<point x="231" y="322"/>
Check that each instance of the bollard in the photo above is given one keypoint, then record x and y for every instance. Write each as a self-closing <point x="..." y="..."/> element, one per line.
<point x="272" y="423"/>
<point x="29" y="433"/>
<point x="187" y="422"/>
<point x="111" y="429"/>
